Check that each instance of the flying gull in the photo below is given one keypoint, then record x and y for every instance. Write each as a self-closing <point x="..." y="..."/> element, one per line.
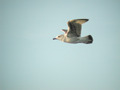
<point x="73" y="34"/>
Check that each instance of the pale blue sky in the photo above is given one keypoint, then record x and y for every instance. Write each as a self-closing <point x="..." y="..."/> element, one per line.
<point x="31" y="60"/>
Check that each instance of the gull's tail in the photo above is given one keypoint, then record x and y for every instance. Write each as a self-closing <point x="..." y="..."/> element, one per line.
<point x="86" y="39"/>
<point x="90" y="39"/>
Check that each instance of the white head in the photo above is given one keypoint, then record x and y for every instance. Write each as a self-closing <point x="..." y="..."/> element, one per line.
<point x="60" y="37"/>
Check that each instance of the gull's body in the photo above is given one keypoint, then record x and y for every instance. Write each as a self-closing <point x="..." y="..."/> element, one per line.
<point x="73" y="34"/>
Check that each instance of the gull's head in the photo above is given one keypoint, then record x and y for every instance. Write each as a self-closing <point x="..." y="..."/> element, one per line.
<point x="60" y="37"/>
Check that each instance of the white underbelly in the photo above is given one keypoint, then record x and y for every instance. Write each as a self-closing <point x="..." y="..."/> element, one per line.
<point x="76" y="40"/>
<point x="71" y="40"/>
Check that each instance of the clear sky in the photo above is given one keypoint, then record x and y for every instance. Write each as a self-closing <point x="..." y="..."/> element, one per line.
<point x="31" y="60"/>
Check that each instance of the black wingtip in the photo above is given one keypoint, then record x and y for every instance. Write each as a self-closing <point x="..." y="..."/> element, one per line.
<point x="87" y="19"/>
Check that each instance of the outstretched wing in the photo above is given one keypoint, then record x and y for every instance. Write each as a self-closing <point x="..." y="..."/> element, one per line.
<point x="74" y="27"/>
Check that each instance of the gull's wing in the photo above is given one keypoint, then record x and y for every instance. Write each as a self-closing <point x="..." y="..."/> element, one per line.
<point x="74" y="27"/>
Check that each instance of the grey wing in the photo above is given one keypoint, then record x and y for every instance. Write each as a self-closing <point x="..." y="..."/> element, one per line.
<point x="74" y="27"/>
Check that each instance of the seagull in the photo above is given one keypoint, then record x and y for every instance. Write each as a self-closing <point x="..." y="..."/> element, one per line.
<point x="73" y="34"/>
